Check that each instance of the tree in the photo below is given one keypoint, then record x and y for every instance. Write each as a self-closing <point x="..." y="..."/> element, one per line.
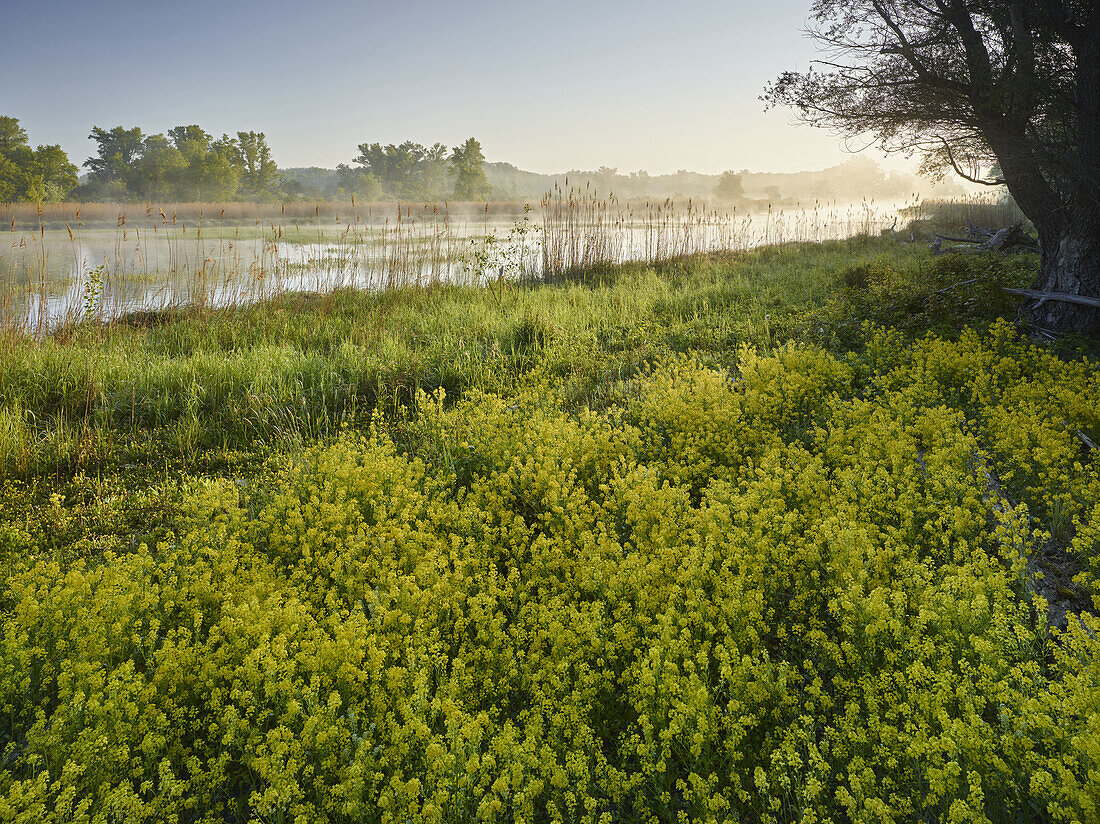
<point x="212" y="177"/>
<point x="157" y="174"/>
<point x="193" y="139"/>
<point x="10" y="181"/>
<point x="432" y="181"/>
<point x="729" y="187"/>
<point x="468" y="165"/>
<point x="12" y="135"/>
<point x="209" y="174"/>
<point x="407" y="171"/>
<point x="30" y="174"/>
<point x="251" y="157"/>
<point x="118" y="149"/>
<point x="966" y="83"/>
<point x="54" y="171"/>
<point x="357" y="182"/>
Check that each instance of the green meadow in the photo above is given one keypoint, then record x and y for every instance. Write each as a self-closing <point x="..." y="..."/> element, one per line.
<point x="807" y="533"/>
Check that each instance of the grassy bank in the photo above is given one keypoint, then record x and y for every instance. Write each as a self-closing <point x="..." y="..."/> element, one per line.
<point x="102" y="263"/>
<point x="796" y="534"/>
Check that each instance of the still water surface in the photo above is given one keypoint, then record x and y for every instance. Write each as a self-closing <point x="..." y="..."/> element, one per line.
<point x="51" y="276"/>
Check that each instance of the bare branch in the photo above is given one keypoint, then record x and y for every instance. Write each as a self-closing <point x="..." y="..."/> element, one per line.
<point x="964" y="175"/>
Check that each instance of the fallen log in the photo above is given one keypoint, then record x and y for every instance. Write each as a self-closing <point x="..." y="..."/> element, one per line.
<point x="1010" y="238"/>
<point x="1060" y="296"/>
<point x="978" y="233"/>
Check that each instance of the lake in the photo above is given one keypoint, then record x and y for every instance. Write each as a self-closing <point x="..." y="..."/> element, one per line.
<point x="50" y="276"/>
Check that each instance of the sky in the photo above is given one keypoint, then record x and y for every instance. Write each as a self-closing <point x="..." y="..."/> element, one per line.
<point x="549" y="86"/>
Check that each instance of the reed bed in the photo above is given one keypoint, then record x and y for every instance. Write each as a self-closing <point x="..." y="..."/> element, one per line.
<point x="581" y="230"/>
<point x="954" y="215"/>
<point x="29" y="216"/>
<point x="108" y="260"/>
<point x="160" y="260"/>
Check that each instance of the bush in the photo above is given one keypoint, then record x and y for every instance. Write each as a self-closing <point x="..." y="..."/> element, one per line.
<point x="784" y="592"/>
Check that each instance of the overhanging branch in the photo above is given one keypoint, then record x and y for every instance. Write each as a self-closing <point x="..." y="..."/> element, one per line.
<point x="964" y="175"/>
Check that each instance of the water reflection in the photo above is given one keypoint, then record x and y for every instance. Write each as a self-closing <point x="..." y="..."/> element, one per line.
<point x="53" y="276"/>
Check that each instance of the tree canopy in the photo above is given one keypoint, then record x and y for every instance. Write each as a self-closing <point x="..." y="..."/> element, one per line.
<point x="407" y="171"/>
<point x="730" y="187"/>
<point x="26" y="174"/>
<point x="186" y="164"/>
<point x="972" y="83"/>
<point x="252" y="156"/>
<point x="468" y="165"/>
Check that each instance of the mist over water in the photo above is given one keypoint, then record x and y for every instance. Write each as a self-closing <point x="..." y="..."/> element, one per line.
<point x="55" y="275"/>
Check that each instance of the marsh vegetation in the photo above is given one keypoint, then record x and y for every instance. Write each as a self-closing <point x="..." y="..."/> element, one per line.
<point x="703" y="537"/>
<point x="375" y="494"/>
<point x="148" y="258"/>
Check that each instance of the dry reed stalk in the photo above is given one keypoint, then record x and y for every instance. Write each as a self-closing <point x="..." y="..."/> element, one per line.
<point x="166" y="256"/>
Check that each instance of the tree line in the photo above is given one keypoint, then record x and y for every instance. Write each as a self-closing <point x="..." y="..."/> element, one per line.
<point x="189" y="164"/>
<point x="27" y="174"/>
<point x="185" y="164"/>
<point x="411" y="171"/>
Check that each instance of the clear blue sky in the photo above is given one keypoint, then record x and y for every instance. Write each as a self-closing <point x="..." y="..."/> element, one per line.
<point x="549" y="86"/>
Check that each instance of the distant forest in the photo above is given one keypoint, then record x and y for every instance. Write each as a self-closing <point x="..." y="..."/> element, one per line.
<point x="189" y="164"/>
<point x="859" y="177"/>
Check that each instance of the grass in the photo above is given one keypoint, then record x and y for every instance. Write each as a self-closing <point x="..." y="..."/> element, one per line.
<point x="182" y="388"/>
<point x="222" y="254"/>
<point x="703" y="523"/>
<point x="951" y="216"/>
<point x="232" y="376"/>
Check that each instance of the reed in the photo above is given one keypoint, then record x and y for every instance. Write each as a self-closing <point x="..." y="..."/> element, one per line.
<point x="931" y="216"/>
<point x="28" y="216"/>
<point x="165" y="258"/>
<point x="153" y="258"/>
<point x="582" y="230"/>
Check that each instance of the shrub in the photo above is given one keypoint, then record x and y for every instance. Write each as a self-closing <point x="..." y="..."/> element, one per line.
<point x="786" y="592"/>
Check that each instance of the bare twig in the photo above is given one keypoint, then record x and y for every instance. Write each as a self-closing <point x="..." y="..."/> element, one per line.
<point x="956" y="286"/>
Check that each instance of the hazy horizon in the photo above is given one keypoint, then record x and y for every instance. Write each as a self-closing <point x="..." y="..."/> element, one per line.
<point x="633" y="86"/>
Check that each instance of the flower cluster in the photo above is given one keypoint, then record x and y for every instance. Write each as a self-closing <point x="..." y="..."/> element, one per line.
<point x="799" y="590"/>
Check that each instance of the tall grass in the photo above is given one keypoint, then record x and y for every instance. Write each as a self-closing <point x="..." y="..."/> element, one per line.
<point x="931" y="216"/>
<point x="107" y="260"/>
<point x="582" y="230"/>
<point x="28" y="216"/>
<point x="297" y="366"/>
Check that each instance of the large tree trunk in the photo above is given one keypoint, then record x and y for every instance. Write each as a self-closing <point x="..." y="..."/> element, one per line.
<point x="1070" y="236"/>
<point x="1070" y="266"/>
